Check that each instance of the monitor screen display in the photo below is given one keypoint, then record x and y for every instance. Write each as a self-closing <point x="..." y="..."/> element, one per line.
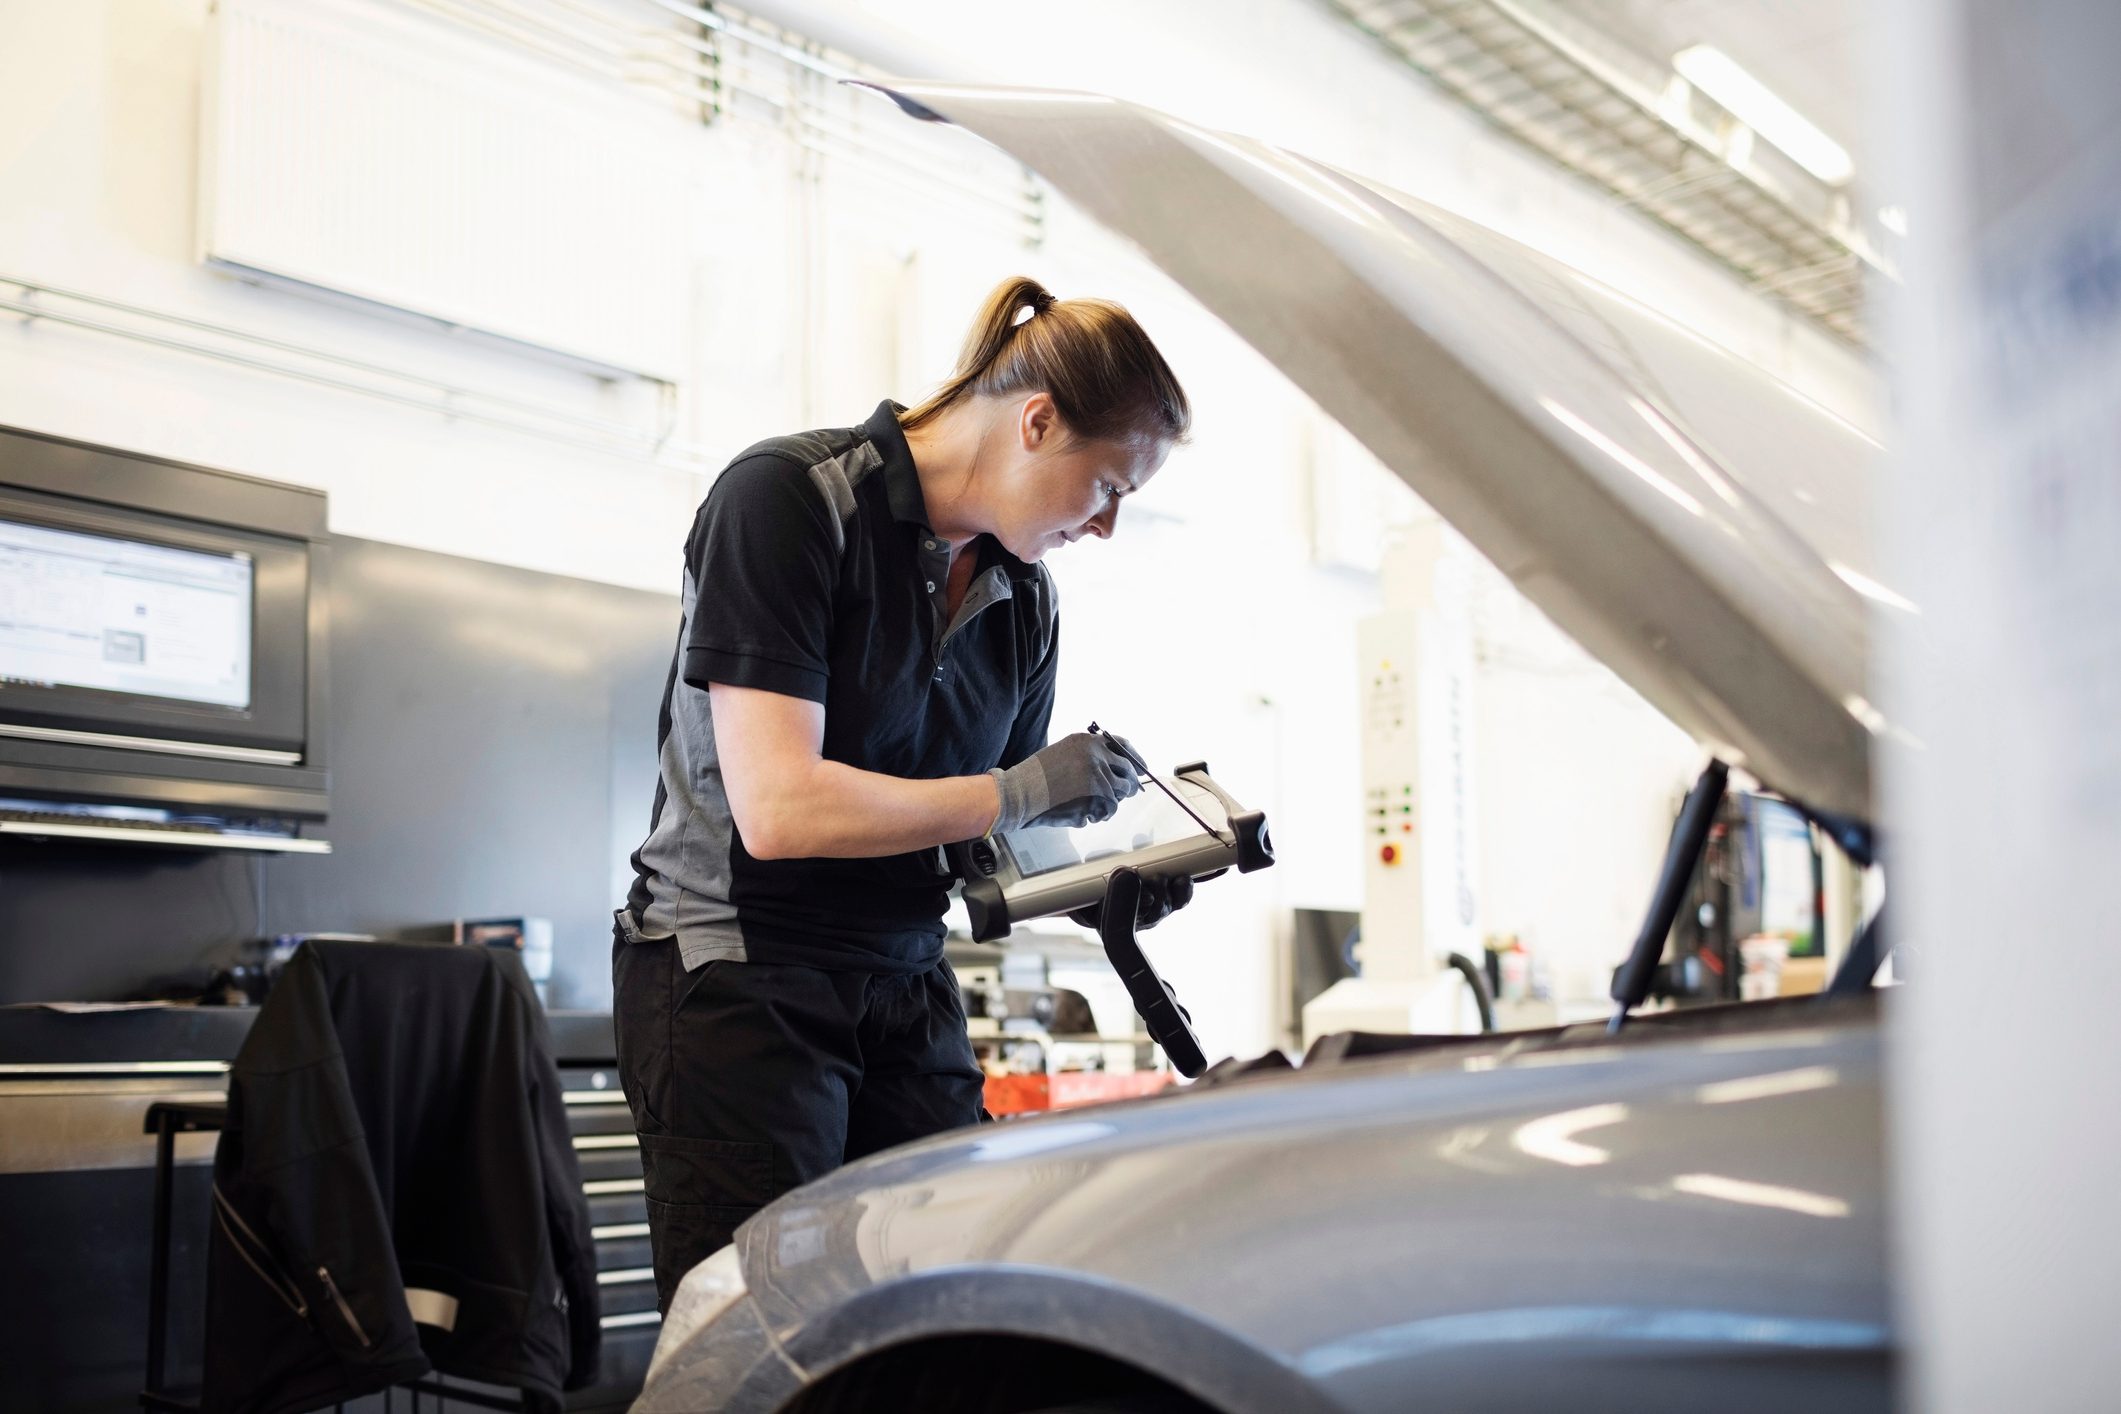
<point x="1788" y="891"/>
<point x="94" y="611"/>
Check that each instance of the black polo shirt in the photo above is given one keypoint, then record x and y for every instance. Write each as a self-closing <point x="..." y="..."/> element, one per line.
<point x="811" y="570"/>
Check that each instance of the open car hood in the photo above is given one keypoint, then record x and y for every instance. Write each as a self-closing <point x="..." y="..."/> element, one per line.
<point x="1695" y="523"/>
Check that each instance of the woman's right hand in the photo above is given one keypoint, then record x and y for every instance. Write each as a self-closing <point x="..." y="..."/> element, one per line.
<point x="1077" y="780"/>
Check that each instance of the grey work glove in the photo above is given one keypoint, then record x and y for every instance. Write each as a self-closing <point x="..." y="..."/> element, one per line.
<point x="1078" y="780"/>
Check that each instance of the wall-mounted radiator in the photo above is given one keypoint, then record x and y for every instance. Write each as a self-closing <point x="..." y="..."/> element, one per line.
<point x="358" y="149"/>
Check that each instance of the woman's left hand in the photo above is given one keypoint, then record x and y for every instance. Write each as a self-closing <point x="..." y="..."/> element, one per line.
<point x="1160" y="898"/>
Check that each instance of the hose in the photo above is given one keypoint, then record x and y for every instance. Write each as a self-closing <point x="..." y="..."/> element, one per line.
<point x="1478" y="981"/>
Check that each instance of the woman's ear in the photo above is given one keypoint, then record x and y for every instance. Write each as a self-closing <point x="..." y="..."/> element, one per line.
<point x="1038" y="423"/>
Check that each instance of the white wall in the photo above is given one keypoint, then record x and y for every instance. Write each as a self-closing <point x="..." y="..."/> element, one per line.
<point x="1580" y="780"/>
<point x="1203" y="630"/>
<point x="98" y="163"/>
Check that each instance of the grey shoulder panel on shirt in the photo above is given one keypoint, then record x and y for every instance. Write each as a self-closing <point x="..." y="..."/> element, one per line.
<point x="801" y="448"/>
<point x="835" y="479"/>
<point x="833" y="468"/>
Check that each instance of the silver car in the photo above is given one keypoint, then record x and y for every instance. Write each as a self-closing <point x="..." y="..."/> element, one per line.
<point x="1688" y="1214"/>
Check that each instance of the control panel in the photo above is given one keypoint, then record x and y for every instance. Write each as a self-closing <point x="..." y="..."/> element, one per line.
<point x="1392" y="825"/>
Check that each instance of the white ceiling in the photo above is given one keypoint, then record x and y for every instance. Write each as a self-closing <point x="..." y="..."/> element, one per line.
<point x="1811" y="52"/>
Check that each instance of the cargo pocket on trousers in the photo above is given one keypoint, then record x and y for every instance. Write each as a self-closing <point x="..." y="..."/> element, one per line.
<point x="699" y="1191"/>
<point x="715" y="1172"/>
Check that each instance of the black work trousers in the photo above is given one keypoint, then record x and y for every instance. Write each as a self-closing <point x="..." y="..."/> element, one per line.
<point x="748" y="1079"/>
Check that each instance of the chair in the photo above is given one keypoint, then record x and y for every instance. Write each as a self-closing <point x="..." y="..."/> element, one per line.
<point x="392" y="1089"/>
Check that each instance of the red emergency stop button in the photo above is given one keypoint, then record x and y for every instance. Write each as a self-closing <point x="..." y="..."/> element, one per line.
<point x="1389" y="853"/>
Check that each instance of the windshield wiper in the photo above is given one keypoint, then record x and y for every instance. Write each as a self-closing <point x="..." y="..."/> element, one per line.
<point x="1690" y="835"/>
<point x="1866" y="953"/>
<point x="1871" y="946"/>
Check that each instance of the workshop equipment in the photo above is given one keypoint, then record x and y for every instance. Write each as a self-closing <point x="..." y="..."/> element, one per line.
<point x="1187" y="826"/>
<point x="1420" y="842"/>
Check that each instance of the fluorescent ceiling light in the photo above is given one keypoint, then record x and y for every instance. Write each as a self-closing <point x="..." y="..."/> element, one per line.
<point x="1753" y="103"/>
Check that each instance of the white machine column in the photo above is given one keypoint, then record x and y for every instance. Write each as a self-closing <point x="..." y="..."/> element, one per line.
<point x="1418" y="837"/>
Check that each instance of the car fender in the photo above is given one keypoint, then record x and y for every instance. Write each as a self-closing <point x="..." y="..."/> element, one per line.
<point x="1103" y="1318"/>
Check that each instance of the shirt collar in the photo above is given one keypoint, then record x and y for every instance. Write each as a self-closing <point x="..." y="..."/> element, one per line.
<point x="902" y="486"/>
<point x="902" y="482"/>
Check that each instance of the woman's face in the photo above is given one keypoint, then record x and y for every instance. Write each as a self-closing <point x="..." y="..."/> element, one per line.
<point x="1062" y="488"/>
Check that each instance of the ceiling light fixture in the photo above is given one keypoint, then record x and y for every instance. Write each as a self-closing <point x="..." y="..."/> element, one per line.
<point x="1757" y="106"/>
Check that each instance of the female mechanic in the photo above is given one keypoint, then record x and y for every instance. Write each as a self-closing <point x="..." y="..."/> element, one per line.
<point x="863" y="675"/>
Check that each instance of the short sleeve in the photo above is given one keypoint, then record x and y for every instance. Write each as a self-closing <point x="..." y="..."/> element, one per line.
<point x="764" y="562"/>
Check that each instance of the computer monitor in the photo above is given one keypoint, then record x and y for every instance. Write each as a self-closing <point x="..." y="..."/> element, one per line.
<point x="1782" y="882"/>
<point x="161" y="634"/>
<point x="127" y="617"/>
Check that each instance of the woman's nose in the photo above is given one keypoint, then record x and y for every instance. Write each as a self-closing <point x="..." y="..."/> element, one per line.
<point x="1102" y="524"/>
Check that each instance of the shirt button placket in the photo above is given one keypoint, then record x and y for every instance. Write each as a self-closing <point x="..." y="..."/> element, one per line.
<point x="934" y="548"/>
